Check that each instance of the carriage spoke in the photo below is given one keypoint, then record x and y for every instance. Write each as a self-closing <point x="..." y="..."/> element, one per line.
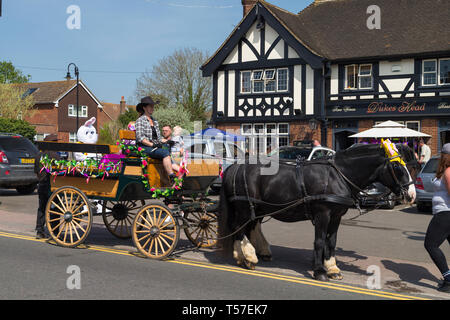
<point x="62" y="203"/>
<point x="76" y="231"/>
<point x="54" y="203"/>
<point x="53" y="229"/>
<point x="79" y="226"/>
<point x="166" y="236"/>
<point x="65" y="232"/>
<point x="161" y="245"/>
<point x="144" y="237"/>
<point x="58" y="213"/>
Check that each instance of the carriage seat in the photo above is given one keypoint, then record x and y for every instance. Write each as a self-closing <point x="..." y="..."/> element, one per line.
<point x="131" y="135"/>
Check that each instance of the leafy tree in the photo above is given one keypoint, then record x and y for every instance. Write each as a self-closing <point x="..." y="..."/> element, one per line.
<point x="109" y="132"/>
<point x="14" y="103"/>
<point x="127" y="116"/>
<point x="17" y="126"/>
<point x="178" y="77"/>
<point x="9" y="74"/>
<point x="174" y="116"/>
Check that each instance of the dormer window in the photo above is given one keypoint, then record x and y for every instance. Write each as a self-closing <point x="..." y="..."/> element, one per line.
<point x="358" y="76"/>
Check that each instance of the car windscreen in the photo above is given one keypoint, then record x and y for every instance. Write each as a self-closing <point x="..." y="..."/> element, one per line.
<point x="430" y="166"/>
<point x="292" y="153"/>
<point x="17" y="144"/>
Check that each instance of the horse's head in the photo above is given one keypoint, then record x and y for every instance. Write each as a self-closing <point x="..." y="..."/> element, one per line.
<point x="395" y="174"/>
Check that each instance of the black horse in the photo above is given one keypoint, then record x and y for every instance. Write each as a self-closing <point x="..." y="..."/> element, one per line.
<point x="320" y="191"/>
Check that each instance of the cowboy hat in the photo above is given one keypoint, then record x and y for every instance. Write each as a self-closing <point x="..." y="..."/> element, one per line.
<point x="145" y="101"/>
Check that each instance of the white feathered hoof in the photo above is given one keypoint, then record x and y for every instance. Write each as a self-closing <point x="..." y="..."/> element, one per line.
<point x="249" y="265"/>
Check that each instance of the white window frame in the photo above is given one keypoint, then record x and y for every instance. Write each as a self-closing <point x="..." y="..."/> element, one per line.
<point x="357" y="75"/>
<point x="274" y="132"/>
<point x="439" y="72"/>
<point x="365" y="76"/>
<point x="242" y="81"/>
<point x="82" y="111"/>
<point x="263" y="80"/>
<point x="354" y="75"/>
<point x="246" y="133"/>
<point x="287" y="80"/>
<point x="436" y="72"/>
<point x="73" y="137"/>
<point x="413" y="121"/>
<point x="274" y="74"/>
<point x="263" y="129"/>
<point x="278" y="128"/>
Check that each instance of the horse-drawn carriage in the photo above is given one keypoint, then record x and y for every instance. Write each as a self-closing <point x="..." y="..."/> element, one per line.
<point x="117" y="186"/>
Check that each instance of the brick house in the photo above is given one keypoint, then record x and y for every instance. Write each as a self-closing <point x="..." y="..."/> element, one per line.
<point x="112" y="111"/>
<point x="55" y="108"/>
<point x="323" y="74"/>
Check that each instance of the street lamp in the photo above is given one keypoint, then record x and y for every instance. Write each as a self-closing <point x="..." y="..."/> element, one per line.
<point x="68" y="77"/>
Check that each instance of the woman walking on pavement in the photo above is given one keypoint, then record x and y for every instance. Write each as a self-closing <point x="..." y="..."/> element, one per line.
<point x="439" y="227"/>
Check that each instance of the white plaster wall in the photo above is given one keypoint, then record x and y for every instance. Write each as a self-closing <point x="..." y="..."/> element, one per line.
<point x="270" y="37"/>
<point x="220" y="91"/>
<point x="247" y="53"/>
<point x="232" y="57"/>
<point x="292" y="54"/>
<point x="407" y="67"/>
<point x="396" y="84"/>
<point x="297" y="87"/>
<point x="253" y="35"/>
<point x="231" y="92"/>
<point x="334" y="81"/>
<point x="278" y="51"/>
<point x="309" y="108"/>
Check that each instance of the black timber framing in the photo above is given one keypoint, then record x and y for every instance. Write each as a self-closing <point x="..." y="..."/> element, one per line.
<point x="238" y="35"/>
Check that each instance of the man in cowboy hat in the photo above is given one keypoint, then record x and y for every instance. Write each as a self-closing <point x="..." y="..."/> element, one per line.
<point x="148" y="136"/>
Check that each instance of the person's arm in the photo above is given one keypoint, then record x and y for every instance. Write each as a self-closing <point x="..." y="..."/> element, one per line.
<point x="446" y="178"/>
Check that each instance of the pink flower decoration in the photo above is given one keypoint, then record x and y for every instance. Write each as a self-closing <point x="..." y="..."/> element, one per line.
<point x="139" y="149"/>
<point x="128" y="151"/>
<point x="152" y="189"/>
<point x="144" y="163"/>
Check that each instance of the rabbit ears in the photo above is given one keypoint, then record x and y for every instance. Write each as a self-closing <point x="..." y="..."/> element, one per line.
<point x="90" y="122"/>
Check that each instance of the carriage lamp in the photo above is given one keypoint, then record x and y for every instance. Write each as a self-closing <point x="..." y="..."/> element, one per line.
<point x="68" y="77"/>
<point x="313" y="124"/>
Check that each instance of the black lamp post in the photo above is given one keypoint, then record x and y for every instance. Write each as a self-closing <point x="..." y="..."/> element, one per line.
<point x="68" y="77"/>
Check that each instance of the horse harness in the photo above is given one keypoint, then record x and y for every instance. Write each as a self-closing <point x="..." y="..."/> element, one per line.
<point x="305" y="198"/>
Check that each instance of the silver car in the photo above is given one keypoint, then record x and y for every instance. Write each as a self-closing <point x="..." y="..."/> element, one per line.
<point x="424" y="186"/>
<point x="225" y="150"/>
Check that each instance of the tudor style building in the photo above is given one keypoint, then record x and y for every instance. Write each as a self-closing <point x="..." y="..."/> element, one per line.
<point x="324" y="74"/>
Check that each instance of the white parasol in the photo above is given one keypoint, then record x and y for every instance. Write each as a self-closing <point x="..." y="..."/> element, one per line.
<point x="389" y="129"/>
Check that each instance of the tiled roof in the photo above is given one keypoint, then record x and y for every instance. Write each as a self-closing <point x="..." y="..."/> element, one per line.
<point x="48" y="92"/>
<point x="338" y="30"/>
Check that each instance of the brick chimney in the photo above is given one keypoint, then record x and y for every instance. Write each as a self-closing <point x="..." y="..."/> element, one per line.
<point x="248" y="5"/>
<point x="122" y="105"/>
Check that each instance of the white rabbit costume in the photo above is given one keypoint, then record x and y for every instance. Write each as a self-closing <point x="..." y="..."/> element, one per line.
<point x="87" y="134"/>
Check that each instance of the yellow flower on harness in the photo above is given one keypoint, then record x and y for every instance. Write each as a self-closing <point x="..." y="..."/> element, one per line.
<point x="391" y="151"/>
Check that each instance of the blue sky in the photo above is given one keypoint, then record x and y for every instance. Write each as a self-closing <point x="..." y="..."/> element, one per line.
<point x="117" y="41"/>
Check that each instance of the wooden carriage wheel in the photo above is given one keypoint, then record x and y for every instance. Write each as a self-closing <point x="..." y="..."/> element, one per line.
<point x="118" y="216"/>
<point x="155" y="231"/>
<point x="68" y="216"/>
<point x="201" y="228"/>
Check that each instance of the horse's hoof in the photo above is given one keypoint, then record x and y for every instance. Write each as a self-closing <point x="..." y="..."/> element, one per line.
<point x="335" y="276"/>
<point x="321" y="277"/>
<point x="249" y="265"/>
<point x="266" y="258"/>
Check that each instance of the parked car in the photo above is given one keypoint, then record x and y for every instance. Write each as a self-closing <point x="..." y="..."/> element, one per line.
<point x="424" y="187"/>
<point x="375" y="190"/>
<point x="289" y="154"/>
<point x="227" y="151"/>
<point x="17" y="163"/>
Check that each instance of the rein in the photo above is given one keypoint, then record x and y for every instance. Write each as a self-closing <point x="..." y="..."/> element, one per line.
<point x="307" y="198"/>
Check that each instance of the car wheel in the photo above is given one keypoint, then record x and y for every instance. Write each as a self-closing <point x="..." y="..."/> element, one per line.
<point x="29" y="189"/>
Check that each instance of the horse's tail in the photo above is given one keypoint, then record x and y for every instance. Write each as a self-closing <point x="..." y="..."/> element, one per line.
<point x="225" y="217"/>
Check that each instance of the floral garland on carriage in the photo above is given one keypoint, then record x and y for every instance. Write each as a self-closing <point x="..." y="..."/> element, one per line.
<point x="110" y="167"/>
